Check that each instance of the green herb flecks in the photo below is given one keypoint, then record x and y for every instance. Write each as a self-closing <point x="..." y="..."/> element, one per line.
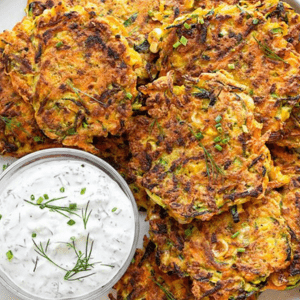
<point x="114" y="209"/>
<point x="86" y="215"/>
<point x="268" y="51"/>
<point x="5" y="166"/>
<point x="235" y="235"/>
<point x="82" y="192"/>
<point x="77" y="91"/>
<point x="168" y="294"/>
<point x="55" y="208"/>
<point x="0" y="217"/>
<point x="131" y="20"/>
<point x="9" y="255"/>
<point x="71" y="222"/>
<point x="212" y="169"/>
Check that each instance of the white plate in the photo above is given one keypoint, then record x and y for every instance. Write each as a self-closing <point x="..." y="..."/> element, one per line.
<point x="11" y="12"/>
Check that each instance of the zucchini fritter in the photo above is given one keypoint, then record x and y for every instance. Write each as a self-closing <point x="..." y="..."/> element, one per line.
<point x="19" y="133"/>
<point x="86" y="83"/>
<point x="239" y="41"/>
<point x="231" y="255"/>
<point x="145" y="281"/>
<point x="201" y="151"/>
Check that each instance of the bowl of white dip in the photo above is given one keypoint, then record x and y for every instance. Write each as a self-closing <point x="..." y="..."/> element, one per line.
<point x="68" y="226"/>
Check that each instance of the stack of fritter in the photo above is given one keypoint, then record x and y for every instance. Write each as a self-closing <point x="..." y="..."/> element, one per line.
<point x="196" y="103"/>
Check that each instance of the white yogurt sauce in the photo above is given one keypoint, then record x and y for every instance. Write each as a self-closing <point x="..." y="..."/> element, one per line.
<point x="110" y="226"/>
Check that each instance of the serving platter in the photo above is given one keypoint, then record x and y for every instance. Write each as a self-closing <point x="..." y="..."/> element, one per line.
<point x="13" y="11"/>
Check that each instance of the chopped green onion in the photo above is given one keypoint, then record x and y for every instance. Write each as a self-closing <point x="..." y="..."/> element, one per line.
<point x="46" y="197"/>
<point x="251" y="92"/>
<point x="255" y="21"/>
<point x="129" y="95"/>
<point x="114" y="209"/>
<point x="0" y="217"/>
<point x="130" y="20"/>
<point x="9" y="255"/>
<point x="4" y="167"/>
<point x="71" y="222"/>
<point x="59" y="44"/>
<point x="187" y="26"/>
<point x="217" y="139"/>
<point x="225" y="141"/>
<point x="235" y="235"/>
<point x="199" y="136"/>
<point x="241" y="250"/>
<point x="176" y="45"/>
<point x="231" y="66"/>
<point x="183" y="41"/>
<point x="218" y="147"/>
<point x="32" y="197"/>
<point x="72" y="205"/>
<point x="82" y="192"/>
<point x="33" y="235"/>
<point x="218" y="125"/>
<point x="62" y="189"/>
<point x="218" y="119"/>
<point x="40" y="200"/>
<point x="276" y="30"/>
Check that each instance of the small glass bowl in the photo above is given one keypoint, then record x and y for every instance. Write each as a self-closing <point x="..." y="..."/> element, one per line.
<point x="60" y="154"/>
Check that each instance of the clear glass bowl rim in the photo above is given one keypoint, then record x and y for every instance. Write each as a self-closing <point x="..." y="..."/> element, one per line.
<point x="72" y="154"/>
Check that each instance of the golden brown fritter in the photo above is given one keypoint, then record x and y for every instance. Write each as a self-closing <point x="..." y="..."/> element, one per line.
<point x="145" y="281"/>
<point x="239" y="41"/>
<point x="19" y="133"/>
<point x="86" y="83"/>
<point x="201" y="151"/>
<point x="230" y="256"/>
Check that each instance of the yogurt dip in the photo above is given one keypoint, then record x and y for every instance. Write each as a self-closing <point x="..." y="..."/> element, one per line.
<point x="66" y="229"/>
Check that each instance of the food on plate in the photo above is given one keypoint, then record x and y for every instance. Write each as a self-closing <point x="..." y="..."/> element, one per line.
<point x="230" y="256"/>
<point x="196" y="105"/>
<point x="202" y="151"/>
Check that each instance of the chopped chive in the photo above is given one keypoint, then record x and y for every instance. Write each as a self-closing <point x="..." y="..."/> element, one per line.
<point x="217" y="139"/>
<point x="4" y="167"/>
<point x="225" y="141"/>
<point x="199" y="136"/>
<point x="32" y="197"/>
<point x="62" y="189"/>
<point x="130" y="20"/>
<point x="218" y="119"/>
<point x="59" y="44"/>
<point x="82" y="192"/>
<point x="255" y="21"/>
<point x="40" y="200"/>
<point x="114" y="209"/>
<point x="176" y="45"/>
<point x="9" y="255"/>
<point x="0" y="217"/>
<point x="187" y="26"/>
<point x="241" y="250"/>
<point x="71" y="222"/>
<point x="133" y="261"/>
<point x="183" y="41"/>
<point x="129" y="95"/>
<point x="218" y="125"/>
<point x="276" y="30"/>
<point x="235" y="235"/>
<point x="251" y="92"/>
<point x="46" y="197"/>
<point x="218" y="147"/>
<point x="231" y="66"/>
<point x="33" y="235"/>
<point x="73" y="206"/>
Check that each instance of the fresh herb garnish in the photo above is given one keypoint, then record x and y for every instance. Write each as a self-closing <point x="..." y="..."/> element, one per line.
<point x="33" y="235"/>
<point x="86" y="215"/>
<point x="82" y="192"/>
<point x="241" y="250"/>
<point x="183" y="41"/>
<point x="62" y="189"/>
<point x="169" y="295"/>
<point x="235" y="235"/>
<point x="268" y="51"/>
<point x="0" y="217"/>
<point x="32" y="197"/>
<point x="218" y="147"/>
<point x="114" y="209"/>
<point x="131" y="20"/>
<point x="9" y="255"/>
<point x="46" y="197"/>
<point x="59" y="44"/>
<point x="4" y="167"/>
<point x="55" y="208"/>
<point x="71" y="222"/>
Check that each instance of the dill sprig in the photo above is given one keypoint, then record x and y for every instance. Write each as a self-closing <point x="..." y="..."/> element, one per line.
<point x="268" y="51"/>
<point x="86" y="215"/>
<point x="211" y="166"/>
<point x="77" y="91"/>
<point x="169" y="295"/>
<point x="59" y="209"/>
<point x="83" y="261"/>
<point x="155" y="122"/>
<point x="42" y="252"/>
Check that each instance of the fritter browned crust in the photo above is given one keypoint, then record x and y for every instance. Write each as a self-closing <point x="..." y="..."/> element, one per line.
<point x="202" y="151"/>
<point x="75" y="97"/>
<point x="230" y="256"/>
<point x="145" y="281"/>
<point x="19" y="133"/>
<point x="239" y="41"/>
